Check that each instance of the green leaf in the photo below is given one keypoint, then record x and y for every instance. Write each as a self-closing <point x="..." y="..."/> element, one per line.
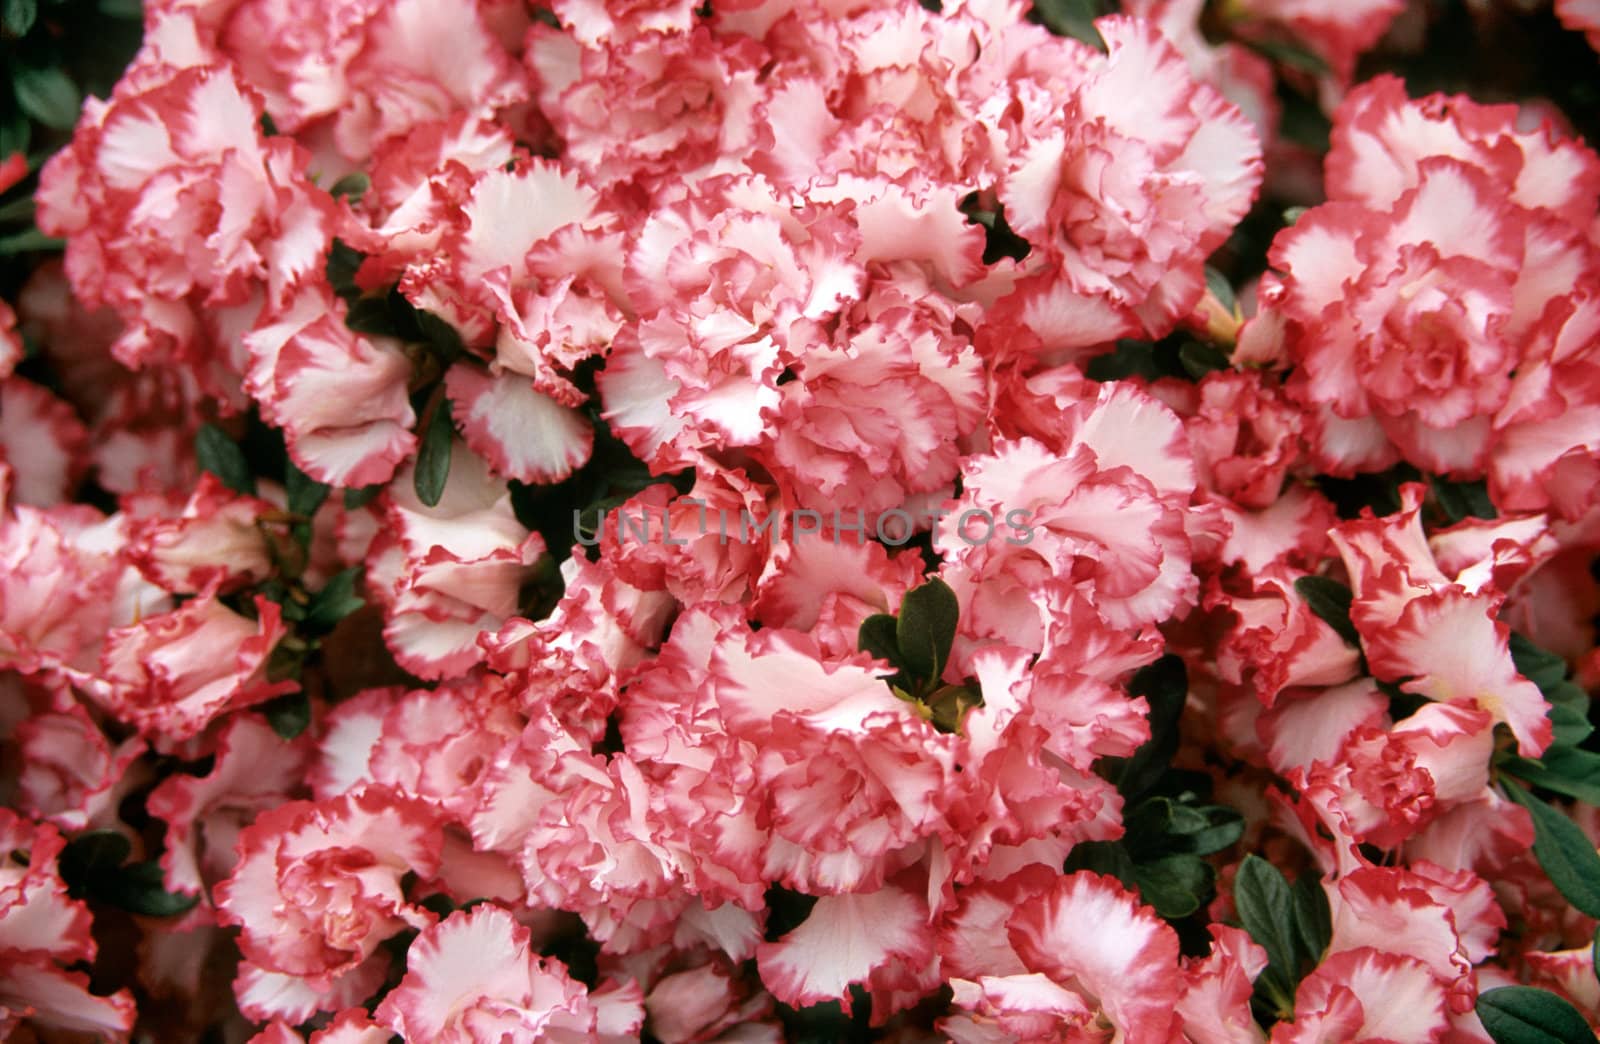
<point x="979" y="216"/>
<point x="15" y="131"/>
<point x="222" y="457"/>
<point x="1130" y="358"/>
<point x="444" y="339"/>
<point x="371" y="315"/>
<point x="1526" y="1015"/>
<point x="128" y="10"/>
<point x="1178" y="356"/>
<point x="1540" y="666"/>
<point x="1160" y="826"/>
<point x="91" y="855"/>
<point x="92" y="866"/>
<point x="353" y="185"/>
<point x="1176" y="885"/>
<point x="16" y="16"/>
<point x="1221" y="289"/>
<point x="1074" y="18"/>
<point x="1200" y="359"/>
<point x="288" y="714"/>
<point x="28" y="240"/>
<point x="140" y="888"/>
<point x="1569" y="714"/>
<point x="18" y="210"/>
<point x="1181" y="820"/>
<point x="1223" y="827"/>
<point x="876" y="636"/>
<point x="1565" y="770"/>
<point x="1293" y="214"/>
<point x="306" y="494"/>
<point x="275" y="590"/>
<point x="287" y="660"/>
<point x="1331" y="601"/>
<point x="1569" y="703"/>
<point x="344" y="261"/>
<point x="361" y="496"/>
<point x="1569" y="726"/>
<point x="1303" y="122"/>
<point x="1266" y="909"/>
<point x="48" y="95"/>
<point x="336" y="600"/>
<point x="433" y="458"/>
<point x="948" y="706"/>
<point x="1102" y="857"/>
<point x="1313" y="921"/>
<point x="438" y="904"/>
<point x="1292" y="55"/>
<point x="1164" y="685"/>
<point x="1565" y="854"/>
<point x="1462" y="500"/>
<point x="927" y="628"/>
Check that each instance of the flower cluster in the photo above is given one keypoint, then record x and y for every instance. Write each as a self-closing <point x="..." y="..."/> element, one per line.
<point x="445" y="582"/>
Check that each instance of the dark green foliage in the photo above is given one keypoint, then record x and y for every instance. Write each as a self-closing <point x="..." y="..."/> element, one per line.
<point x="221" y="456"/>
<point x="336" y="600"/>
<point x="433" y="453"/>
<point x="52" y="54"/>
<point x="1331" y="601"/>
<point x="1292" y="923"/>
<point x="1564" y="853"/>
<point x="1074" y="18"/>
<point x="1525" y="1015"/>
<point x="926" y="628"/>
<point x="1169" y="828"/>
<point x="289" y="714"/>
<point x="918" y="643"/>
<point x="1164" y="685"/>
<point x="1179" y="356"/>
<point x="94" y="866"/>
<point x="1457" y="501"/>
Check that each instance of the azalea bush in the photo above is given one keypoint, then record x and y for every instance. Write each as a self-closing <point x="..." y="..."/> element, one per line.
<point x="799" y="520"/>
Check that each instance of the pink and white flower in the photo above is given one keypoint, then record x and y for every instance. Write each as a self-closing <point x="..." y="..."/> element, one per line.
<point x="318" y="884"/>
<point x="174" y="673"/>
<point x="473" y="977"/>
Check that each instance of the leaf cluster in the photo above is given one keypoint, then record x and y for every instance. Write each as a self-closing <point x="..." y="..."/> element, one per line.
<point x="1525" y="1014"/>
<point x="53" y="53"/>
<point x="311" y="614"/>
<point x="1565" y="767"/>
<point x="1180" y="356"/>
<point x="1291" y="922"/>
<point x="95" y="866"/>
<point x="1169" y="827"/>
<point x="1511" y="1015"/>
<point x="917" y="643"/>
<point x="432" y="343"/>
